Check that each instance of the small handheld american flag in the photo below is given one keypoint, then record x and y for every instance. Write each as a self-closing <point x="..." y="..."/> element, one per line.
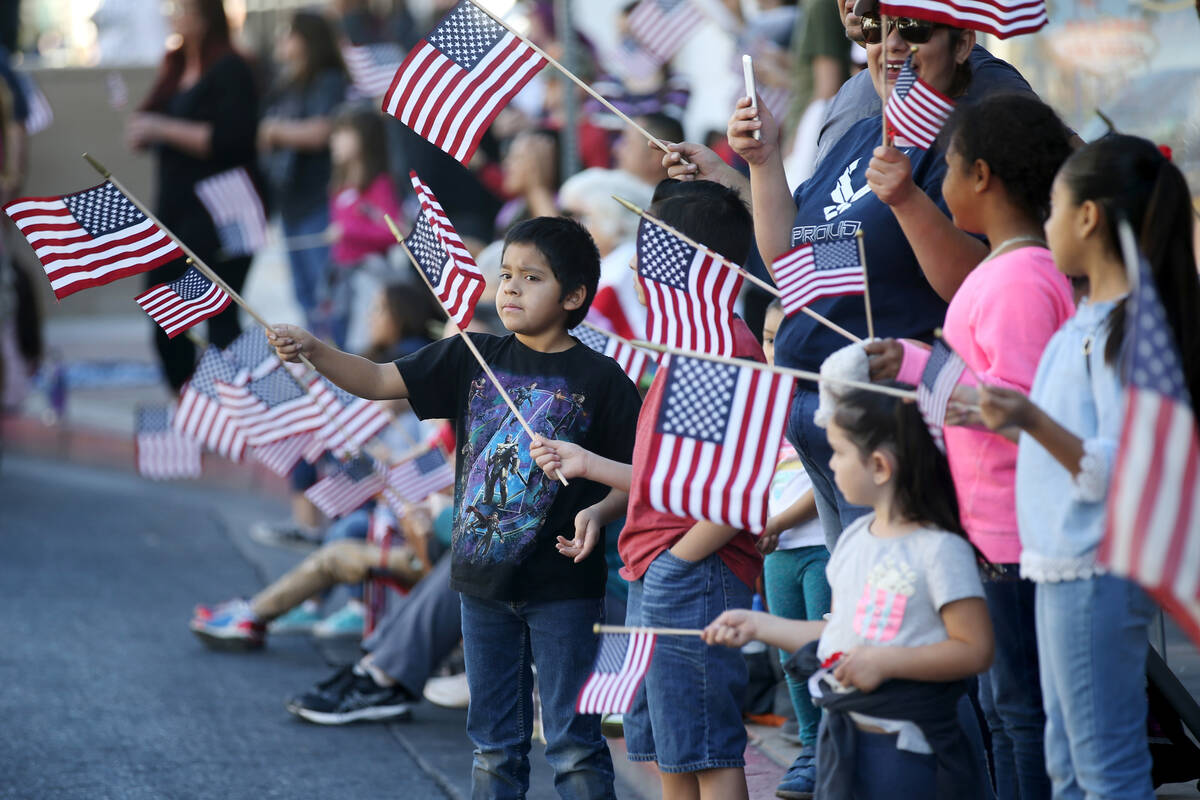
<point x="353" y="484"/>
<point x="818" y="269"/>
<point x="716" y="440"/>
<point x="162" y="452"/>
<point x="915" y="110"/>
<point x="458" y="78"/>
<point x="271" y="408"/>
<point x="1001" y="18"/>
<point x="690" y="293"/>
<point x="201" y="415"/>
<point x="182" y="303"/>
<point x="621" y="665"/>
<point x="351" y="421"/>
<point x="251" y="352"/>
<point x="91" y="238"/>
<point x="938" y="380"/>
<point x="1152" y="533"/>
<point x="631" y="360"/>
<point x="416" y="478"/>
<point x="372" y="67"/>
<point x="663" y="26"/>
<point x="236" y="210"/>
<point x="442" y="256"/>
<point x="281" y="455"/>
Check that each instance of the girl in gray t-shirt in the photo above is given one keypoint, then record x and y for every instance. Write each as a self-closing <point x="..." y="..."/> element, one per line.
<point x="907" y="598"/>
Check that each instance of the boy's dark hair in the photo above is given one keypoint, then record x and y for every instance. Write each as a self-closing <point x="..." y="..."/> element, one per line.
<point x="712" y="214"/>
<point x="1130" y="178"/>
<point x="569" y="250"/>
<point x="1022" y="140"/>
<point x="924" y="487"/>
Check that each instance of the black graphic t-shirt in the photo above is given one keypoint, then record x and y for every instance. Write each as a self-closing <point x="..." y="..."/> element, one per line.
<point x="508" y="512"/>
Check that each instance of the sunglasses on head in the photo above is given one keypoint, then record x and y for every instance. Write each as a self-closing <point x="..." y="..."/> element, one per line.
<point x="913" y="31"/>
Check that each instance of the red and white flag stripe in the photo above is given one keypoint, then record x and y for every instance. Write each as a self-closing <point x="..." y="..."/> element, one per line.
<point x="1001" y="18"/>
<point x="175" y="314"/>
<point x="612" y="692"/>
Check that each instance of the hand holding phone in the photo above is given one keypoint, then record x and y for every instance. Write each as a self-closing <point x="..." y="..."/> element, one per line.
<point x="748" y="74"/>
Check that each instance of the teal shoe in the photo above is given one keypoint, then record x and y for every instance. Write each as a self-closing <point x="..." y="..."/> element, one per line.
<point x="346" y="622"/>
<point x="300" y="619"/>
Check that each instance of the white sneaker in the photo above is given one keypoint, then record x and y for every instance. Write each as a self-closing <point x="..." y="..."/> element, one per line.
<point x="448" y="692"/>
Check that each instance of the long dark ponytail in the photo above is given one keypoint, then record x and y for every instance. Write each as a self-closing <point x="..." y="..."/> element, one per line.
<point x="1131" y="179"/>
<point x="924" y="487"/>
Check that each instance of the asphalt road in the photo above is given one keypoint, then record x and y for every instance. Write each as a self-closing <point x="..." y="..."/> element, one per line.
<point x="104" y="693"/>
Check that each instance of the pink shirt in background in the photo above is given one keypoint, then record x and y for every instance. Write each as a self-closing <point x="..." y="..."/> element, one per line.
<point x="999" y="321"/>
<point x="359" y="216"/>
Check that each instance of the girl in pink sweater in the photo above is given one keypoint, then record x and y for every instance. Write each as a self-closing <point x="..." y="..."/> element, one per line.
<point x="361" y="193"/>
<point x="1002" y="155"/>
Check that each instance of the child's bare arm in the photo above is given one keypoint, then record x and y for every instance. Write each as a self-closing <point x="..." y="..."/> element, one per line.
<point x="574" y="461"/>
<point x="967" y="652"/>
<point x="737" y="627"/>
<point x="799" y="512"/>
<point x="356" y="375"/>
<point x="702" y="540"/>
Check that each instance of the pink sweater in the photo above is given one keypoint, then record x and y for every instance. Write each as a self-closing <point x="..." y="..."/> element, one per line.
<point x="999" y="321"/>
<point x="360" y="219"/>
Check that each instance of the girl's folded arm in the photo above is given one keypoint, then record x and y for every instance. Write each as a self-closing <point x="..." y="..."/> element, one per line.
<point x="967" y="651"/>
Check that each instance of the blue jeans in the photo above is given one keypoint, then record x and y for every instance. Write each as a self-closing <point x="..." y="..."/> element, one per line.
<point x="1010" y="692"/>
<point x="797" y="589"/>
<point x="813" y="448"/>
<point x="310" y="265"/>
<point x="1092" y="638"/>
<point x="501" y="642"/>
<point x="687" y="715"/>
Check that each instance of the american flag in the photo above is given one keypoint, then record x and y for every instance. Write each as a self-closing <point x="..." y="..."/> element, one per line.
<point x="382" y="528"/>
<point x="91" y="238"/>
<point x="253" y="353"/>
<point x="180" y="304"/>
<point x="941" y="375"/>
<point x="351" y="421"/>
<point x="271" y="408"/>
<point x="1153" y="529"/>
<point x="442" y="256"/>
<point x="41" y="115"/>
<point x="915" y="110"/>
<point x="416" y="478"/>
<point x="621" y="664"/>
<point x="630" y="359"/>
<point x="372" y="66"/>
<point x="281" y="456"/>
<point x="663" y="26"/>
<point x="818" y="269"/>
<point x="162" y="452"/>
<point x="632" y="62"/>
<point x="236" y="210"/>
<point x="716" y="440"/>
<point x="458" y="78"/>
<point x="355" y="482"/>
<point x="689" y="292"/>
<point x="1001" y="18"/>
<point x="201" y="415"/>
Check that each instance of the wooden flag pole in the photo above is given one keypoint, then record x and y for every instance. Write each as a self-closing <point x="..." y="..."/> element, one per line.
<point x="759" y="282"/>
<point x="467" y="339"/>
<point x="906" y="394"/>
<point x="582" y="84"/>
<point x="598" y="628"/>
<point x="862" y="257"/>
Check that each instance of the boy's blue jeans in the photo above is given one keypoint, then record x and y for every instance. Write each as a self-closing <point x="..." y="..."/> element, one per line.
<point x="501" y="642"/>
<point x="1092" y="640"/>
<point x="811" y="444"/>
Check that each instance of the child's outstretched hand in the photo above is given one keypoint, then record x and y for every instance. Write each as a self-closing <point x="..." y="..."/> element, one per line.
<point x="291" y="341"/>
<point x="587" y="533"/>
<point x="733" y="628"/>
<point x="555" y="457"/>
<point x="863" y="668"/>
<point x="1005" y="408"/>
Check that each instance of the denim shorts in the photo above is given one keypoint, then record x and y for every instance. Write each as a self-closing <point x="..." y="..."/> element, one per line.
<point x="687" y="715"/>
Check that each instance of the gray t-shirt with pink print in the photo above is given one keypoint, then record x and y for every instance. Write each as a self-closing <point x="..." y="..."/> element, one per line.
<point x="888" y="592"/>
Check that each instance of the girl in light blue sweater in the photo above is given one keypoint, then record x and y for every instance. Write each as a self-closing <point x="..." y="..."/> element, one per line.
<point x="1092" y="626"/>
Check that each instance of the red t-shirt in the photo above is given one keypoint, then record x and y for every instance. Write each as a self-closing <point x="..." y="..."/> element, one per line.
<point x="648" y="532"/>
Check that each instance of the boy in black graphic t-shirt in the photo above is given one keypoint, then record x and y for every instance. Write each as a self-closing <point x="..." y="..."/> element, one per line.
<point x="528" y="553"/>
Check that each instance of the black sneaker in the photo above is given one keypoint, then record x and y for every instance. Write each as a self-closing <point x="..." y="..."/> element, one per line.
<point x="360" y="699"/>
<point x="333" y="686"/>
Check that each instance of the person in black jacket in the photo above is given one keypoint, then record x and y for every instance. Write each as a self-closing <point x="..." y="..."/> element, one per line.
<point x="200" y="118"/>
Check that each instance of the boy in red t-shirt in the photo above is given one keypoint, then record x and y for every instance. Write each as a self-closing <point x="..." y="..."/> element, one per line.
<point x="687" y="716"/>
